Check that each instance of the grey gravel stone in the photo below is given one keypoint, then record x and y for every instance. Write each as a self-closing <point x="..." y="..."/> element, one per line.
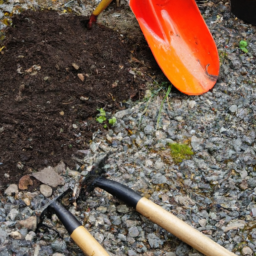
<point x="46" y="190"/>
<point x="154" y="241"/>
<point x="59" y="246"/>
<point x="11" y="190"/>
<point x="133" y="231"/>
<point x="182" y="250"/>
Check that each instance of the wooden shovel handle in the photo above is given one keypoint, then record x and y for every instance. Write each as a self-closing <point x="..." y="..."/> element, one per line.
<point x="87" y="243"/>
<point x="101" y="7"/>
<point x="180" y="229"/>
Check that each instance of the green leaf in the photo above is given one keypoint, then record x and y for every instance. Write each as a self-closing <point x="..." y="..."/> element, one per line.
<point x="101" y="119"/>
<point x="244" y="49"/>
<point x="105" y="126"/>
<point x="112" y="121"/>
<point x="243" y="43"/>
<point x="102" y="112"/>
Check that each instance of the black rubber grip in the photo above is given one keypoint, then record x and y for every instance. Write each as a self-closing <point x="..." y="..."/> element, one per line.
<point x="65" y="216"/>
<point x="119" y="190"/>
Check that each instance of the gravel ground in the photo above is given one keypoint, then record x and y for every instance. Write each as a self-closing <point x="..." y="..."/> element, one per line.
<point x="214" y="191"/>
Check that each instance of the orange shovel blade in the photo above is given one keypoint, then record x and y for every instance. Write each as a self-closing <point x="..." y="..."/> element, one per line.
<point x="180" y="41"/>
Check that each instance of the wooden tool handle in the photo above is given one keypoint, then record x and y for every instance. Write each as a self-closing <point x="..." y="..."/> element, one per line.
<point x="180" y="229"/>
<point x="101" y="7"/>
<point x="87" y="243"/>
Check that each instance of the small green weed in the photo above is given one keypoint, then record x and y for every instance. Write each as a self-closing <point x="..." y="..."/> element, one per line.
<point x="162" y="103"/>
<point x="180" y="152"/>
<point x="156" y="91"/>
<point x="102" y="117"/>
<point x="112" y="121"/>
<point x="243" y="46"/>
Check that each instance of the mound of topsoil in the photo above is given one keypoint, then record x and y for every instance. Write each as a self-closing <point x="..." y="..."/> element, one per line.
<point x="54" y="75"/>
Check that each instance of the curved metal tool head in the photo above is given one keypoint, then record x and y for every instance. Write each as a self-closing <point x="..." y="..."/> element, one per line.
<point x="46" y="211"/>
<point x="97" y="171"/>
<point x="180" y="42"/>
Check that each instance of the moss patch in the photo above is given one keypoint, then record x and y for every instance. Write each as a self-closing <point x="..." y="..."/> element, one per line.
<point x="180" y="152"/>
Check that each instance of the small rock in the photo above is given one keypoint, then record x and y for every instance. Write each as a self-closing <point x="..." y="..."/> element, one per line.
<point x="46" y="190"/>
<point x="202" y="222"/>
<point x="82" y="98"/>
<point x="122" y="113"/>
<point x="20" y="165"/>
<point x="184" y="200"/>
<point x="182" y="250"/>
<point x="7" y="175"/>
<point x="102" y="209"/>
<point x="3" y="236"/>
<point x="122" y="237"/>
<point x="58" y="254"/>
<point x="234" y="224"/>
<point x="30" y="236"/>
<point x="233" y="108"/>
<point x="75" y="66"/>
<point x="154" y="241"/>
<point x="16" y="235"/>
<point x="11" y="190"/>
<point x="59" y="245"/>
<point x="191" y="104"/>
<point x="254" y="212"/>
<point x="30" y="223"/>
<point x="37" y="249"/>
<point x="60" y="168"/>
<point x="196" y="143"/>
<point x="149" y="130"/>
<point x="74" y="126"/>
<point x="159" y="179"/>
<point x="94" y="146"/>
<point x="247" y="251"/>
<point x="122" y="208"/>
<point x="133" y="231"/>
<point x="147" y="94"/>
<point x="49" y="177"/>
<point x="81" y="76"/>
<point x="244" y="185"/>
<point x="62" y="113"/>
<point x="13" y="214"/>
<point x="24" y="182"/>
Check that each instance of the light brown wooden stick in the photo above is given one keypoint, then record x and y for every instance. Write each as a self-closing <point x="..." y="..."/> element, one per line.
<point x="87" y="242"/>
<point x="180" y="229"/>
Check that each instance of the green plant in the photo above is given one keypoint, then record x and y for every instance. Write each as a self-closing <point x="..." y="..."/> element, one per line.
<point x="180" y="152"/>
<point x="102" y="117"/>
<point x="112" y="121"/>
<point x="161" y="107"/>
<point x="155" y="91"/>
<point x="243" y="46"/>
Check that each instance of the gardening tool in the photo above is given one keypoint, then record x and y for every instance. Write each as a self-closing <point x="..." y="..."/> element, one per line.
<point x="77" y="232"/>
<point x="155" y="213"/>
<point x="179" y="40"/>
<point x="245" y="10"/>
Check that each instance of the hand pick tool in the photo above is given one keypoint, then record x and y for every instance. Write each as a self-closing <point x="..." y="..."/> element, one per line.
<point x="77" y="232"/>
<point x="154" y="213"/>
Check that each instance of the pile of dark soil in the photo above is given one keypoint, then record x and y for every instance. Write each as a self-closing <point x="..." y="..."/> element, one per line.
<point x="55" y="74"/>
